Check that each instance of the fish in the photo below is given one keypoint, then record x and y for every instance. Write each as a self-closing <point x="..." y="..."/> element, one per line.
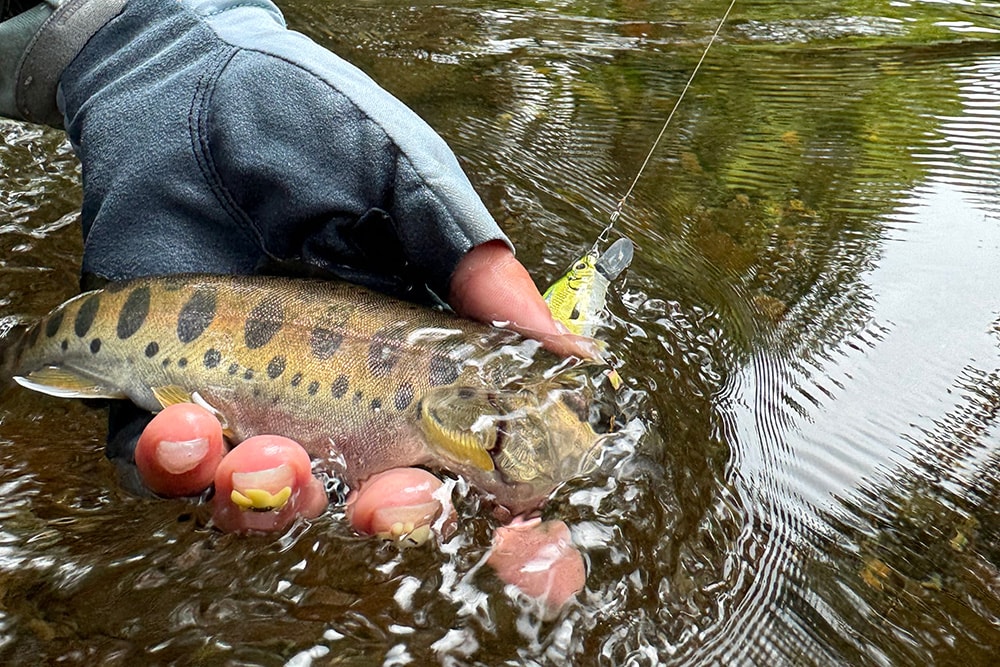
<point x="577" y="299"/>
<point x="363" y="381"/>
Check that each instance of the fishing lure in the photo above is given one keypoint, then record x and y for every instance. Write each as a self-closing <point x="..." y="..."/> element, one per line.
<point x="577" y="299"/>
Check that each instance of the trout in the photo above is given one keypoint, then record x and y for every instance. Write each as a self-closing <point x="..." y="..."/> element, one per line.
<point x="363" y="381"/>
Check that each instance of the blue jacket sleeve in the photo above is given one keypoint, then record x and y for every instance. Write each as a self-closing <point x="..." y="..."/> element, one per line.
<point x="214" y="139"/>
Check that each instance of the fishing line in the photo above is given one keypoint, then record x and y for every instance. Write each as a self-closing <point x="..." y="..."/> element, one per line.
<point x="616" y="214"/>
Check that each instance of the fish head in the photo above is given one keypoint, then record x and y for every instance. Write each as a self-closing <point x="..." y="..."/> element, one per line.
<point x="517" y="445"/>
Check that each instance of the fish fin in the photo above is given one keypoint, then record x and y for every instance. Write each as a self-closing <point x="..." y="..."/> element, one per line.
<point x="227" y="432"/>
<point x="64" y="383"/>
<point x="451" y="426"/>
<point x="171" y="394"/>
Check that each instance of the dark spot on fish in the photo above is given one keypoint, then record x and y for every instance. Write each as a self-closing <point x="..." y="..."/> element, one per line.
<point x="64" y="345"/>
<point x="165" y="363"/>
<point x="297" y="379"/>
<point x="53" y="324"/>
<point x="339" y="386"/>
<point x="383" y="352"/>
<point x="357" y="396"/>
<point x="182" y="362"/>
<point x="134" y="312"/>
<point x="85" y="316"/>
<point x="264" y="321"/>
<point x="152" y="349"/>
<point x="324" y="342"/>
<point x="233" y="368"/>
<point x="95" y="346"/>
<point x="212" y="358"/>
<point x="248" y="374"/>
<point x="376" y="404"/>
<point x="256" y="392"/>
<point x="196" y="315"/>
<point x="404" y="396"/>
<point x="313" y="388"/>
<point x="465" y="393"/>
<point x="276" y="367"/>
<point x="444" y="370"/>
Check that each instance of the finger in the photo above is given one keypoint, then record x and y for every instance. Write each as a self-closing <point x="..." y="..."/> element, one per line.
<point x="402" y="504"/>
<point x="180" y="450"/>
<point x="490" y="285"/>
<point x="540" y="560"/>
<point x="264" y="484"/>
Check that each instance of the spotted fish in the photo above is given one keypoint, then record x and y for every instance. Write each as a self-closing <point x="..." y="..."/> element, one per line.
<point x="363" y="381"/>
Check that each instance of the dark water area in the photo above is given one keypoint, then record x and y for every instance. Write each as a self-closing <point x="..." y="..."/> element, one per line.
<point x="810" y="336"/>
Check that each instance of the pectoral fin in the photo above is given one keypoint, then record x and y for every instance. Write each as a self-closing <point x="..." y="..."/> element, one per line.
<point x="171" y="394"/>
<point x="64" y="383"/>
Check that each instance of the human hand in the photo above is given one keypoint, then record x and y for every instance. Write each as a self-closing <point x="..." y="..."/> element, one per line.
<point x="263" y="484"/>
<point x="490" y="285"/>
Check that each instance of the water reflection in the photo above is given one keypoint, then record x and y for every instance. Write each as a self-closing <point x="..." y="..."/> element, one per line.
<point x="809" y="336"/>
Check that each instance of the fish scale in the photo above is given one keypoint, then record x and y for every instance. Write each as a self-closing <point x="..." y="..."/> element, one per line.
<point x="365" y="382"/>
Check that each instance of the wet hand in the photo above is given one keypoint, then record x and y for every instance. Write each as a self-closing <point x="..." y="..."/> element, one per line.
<point x="409" y="505"/>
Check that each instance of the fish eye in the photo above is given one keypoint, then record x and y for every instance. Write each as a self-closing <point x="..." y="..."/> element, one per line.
<point x="580" y="266"/>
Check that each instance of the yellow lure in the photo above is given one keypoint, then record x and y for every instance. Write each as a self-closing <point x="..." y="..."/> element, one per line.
<point x="577" y="299"/>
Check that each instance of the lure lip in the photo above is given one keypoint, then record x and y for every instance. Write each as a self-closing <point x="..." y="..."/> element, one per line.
<point x="616" y="258"/>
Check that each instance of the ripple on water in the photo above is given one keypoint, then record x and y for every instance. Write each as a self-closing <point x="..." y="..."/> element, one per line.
<point x="966" y="152"/>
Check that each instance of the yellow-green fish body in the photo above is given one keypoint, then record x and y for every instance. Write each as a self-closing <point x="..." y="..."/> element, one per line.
<point x="363" y="381"/>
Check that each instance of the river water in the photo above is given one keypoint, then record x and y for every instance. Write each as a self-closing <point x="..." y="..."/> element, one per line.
<point x="810" y="336"/>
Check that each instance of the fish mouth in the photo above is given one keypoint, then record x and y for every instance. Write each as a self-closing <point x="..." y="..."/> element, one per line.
<point x="263" y="490"/>
<point x="515" y="436"/>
